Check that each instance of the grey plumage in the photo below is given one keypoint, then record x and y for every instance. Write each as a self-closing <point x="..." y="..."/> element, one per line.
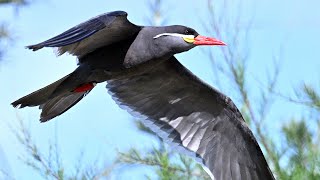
<point x="201" y="119"/>
<point x="38" y="97"/>
<point x="144" y="77"/>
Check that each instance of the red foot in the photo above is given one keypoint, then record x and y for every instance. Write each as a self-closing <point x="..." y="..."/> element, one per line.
<point x="85" y="87"/>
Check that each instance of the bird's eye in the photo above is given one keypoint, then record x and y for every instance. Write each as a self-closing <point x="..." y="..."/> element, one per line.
<point x="189" y="32"/>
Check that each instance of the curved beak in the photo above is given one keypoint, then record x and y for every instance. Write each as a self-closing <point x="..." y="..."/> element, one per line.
<point x="203" y="40"/>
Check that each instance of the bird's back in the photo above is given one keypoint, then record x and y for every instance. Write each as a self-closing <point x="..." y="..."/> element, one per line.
<point x="109" y="58"/>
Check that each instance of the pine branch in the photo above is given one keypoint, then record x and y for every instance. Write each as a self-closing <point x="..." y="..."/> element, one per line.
<point x="161" y="160"/>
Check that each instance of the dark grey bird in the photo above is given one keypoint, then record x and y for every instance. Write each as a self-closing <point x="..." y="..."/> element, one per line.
<point x="143" y="76"/>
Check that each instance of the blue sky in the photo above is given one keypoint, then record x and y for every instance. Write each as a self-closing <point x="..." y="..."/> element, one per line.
<point x="96" y="124"/>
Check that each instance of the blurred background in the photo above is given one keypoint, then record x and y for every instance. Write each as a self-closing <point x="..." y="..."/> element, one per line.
<point x="270" y="69"/>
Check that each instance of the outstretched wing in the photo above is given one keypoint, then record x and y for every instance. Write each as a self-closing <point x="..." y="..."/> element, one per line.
<point x="99" y="31"/>
<point x="205" y="123"/>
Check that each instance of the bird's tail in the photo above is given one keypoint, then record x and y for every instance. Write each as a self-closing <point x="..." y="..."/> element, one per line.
<point x="51" y="102"/>
<point x="60" y="104"/>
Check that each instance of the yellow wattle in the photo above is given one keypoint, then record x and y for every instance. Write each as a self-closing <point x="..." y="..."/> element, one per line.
<point x="189" y="40"/>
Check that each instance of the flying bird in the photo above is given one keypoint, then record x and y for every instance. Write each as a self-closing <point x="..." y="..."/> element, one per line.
<point x="144" y="77"/>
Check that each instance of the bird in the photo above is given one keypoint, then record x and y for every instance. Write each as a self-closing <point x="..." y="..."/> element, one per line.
<point x="145" y="78"/>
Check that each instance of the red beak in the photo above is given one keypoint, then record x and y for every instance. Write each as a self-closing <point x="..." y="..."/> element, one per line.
<point x="202" y="40"/>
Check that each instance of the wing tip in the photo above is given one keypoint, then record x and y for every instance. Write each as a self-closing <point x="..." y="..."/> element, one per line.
<point x="44" y="119"/>
<point x="34" y="47"/>
<point x="17" y="104"/>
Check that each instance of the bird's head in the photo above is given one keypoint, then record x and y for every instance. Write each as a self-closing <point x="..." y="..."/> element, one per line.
<point x="163" y="42"/>
<point x="180" y="38"/>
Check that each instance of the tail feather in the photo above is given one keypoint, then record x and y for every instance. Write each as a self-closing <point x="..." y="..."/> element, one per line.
<point x="53" y="99"/>
<point x="40" y="96"/>
<point x="60" y="104"/>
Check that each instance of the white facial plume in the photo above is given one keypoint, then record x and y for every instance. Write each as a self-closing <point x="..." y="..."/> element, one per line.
<point x="174" y="34"/>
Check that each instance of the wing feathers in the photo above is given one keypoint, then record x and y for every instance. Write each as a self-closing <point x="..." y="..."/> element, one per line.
<point x="183" y="110"/>
<point x="72" y="35"/>
<point x="90" y="35"/>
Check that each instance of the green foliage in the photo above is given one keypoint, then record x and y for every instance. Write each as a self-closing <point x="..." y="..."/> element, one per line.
<point x="49" y="164"/>
<point x="4" y="35"/>
<point x="168" y="164"/>
<point x="304" y="155"/>
<point x="312" y="96"/>
<point x="4" y="32"/>
<point x="298" y="139"/>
